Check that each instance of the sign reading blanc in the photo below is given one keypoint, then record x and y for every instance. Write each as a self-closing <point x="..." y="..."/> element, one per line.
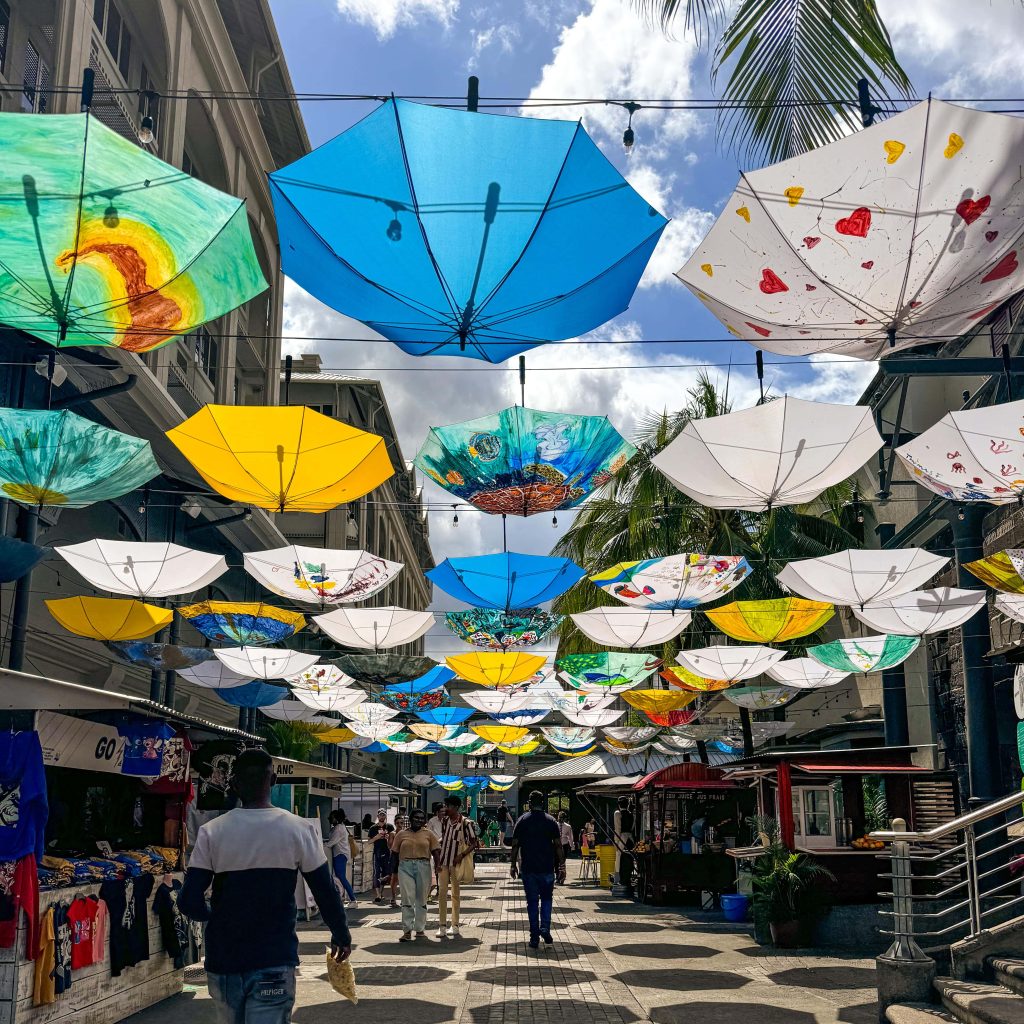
<point x="75" y="743"/>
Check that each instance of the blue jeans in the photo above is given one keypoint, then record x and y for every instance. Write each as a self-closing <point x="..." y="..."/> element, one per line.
<point x="340" y="863"/>
<point x="540" y="890"/>
<point x="414" y="878"/>
<point x="265" y="996"/>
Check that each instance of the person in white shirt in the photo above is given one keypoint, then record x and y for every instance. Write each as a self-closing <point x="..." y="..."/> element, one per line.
<point x="436" y="825"/>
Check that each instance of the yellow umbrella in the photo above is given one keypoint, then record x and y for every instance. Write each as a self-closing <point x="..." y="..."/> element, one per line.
<point x="621" y="745"/>
<point x="501" y="733"/>
<point x="109" y="618"/>
<point x="495" y="668"/>
<point x="659" y="702"/>
<point x="340" y="735"/>
<point x="677" y="675"/>
<point x="286" y="458"/>
<point x="768" y="622"/>
<point x="520" y="749"/>
<point x="574" y="753"/>
<point x="998" y="572"/>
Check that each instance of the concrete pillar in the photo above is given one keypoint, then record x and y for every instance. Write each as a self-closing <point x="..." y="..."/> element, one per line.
<point x="71" y="47"/>
<point x="894" y="707"/>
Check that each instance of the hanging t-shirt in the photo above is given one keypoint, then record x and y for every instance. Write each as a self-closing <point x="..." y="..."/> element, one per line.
<point x="99" y="931"/>
<point x="174" y="768"/>
<point x="22" y="796"/>
<point x="62" y="949"/>
<point x="19" y="890"/>
<point x="213" y="763"/>
<point x="174" y="926"/>
<point x="144" y="742"/>
<point x="43" y="986"/>
<point x="128" y="921"/>
<point x="82" y="917"/>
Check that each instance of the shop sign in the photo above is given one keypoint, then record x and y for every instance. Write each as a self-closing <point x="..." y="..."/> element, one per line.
<point x="75" y="743"/>
<point x="284" y="770"/>
<point x="326" y="787"/>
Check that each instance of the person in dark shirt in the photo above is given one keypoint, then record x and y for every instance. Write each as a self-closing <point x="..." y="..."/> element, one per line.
<point x="252" y="856"/>
<point x="537" y="842"/>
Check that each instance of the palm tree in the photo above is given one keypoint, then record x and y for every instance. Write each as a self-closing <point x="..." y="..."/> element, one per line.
<point x="296" y="740"/>
<point x="788" y="66"/>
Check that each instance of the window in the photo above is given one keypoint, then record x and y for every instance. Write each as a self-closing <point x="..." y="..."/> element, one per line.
<point x="5" y="28"/>
<point x="205" y="352"/>
<point x="813" y="817"/>
<point x="326" y="410"/>
<point x="35" y="82"/>
<point x="115" y="33"/>
<point x="187" y="165"/>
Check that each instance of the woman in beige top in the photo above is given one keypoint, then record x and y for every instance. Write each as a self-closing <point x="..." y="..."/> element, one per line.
<point x="415" y="847"/>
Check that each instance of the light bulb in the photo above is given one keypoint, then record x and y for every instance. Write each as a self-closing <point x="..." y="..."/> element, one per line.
<point x="961" y="514"/>
<point x="860" y="517"/>
<point x="554" y="522"/>
<point x="142" y="510"/>
<point x="628" y="138"/>
<point x="455" y="519"/>
<point x="146" y="131"/>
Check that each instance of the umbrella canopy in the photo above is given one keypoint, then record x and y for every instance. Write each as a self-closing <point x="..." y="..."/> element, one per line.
<point x="160" y="657"/>
<point x="922" y="611"/>
<point x="805" y="673"/>
<point x="971" y="455"/>
<point x="18" y="558"/>
<point x="703" y="731"/>
<point x="631" y="627"/>
<point x="109" y="245"/>
<point x="213" y="675"/>
<point x="286" y="458"/>
<point x="865" y="653"/>
<point x="56" y="457"/>
<point x="434" y="733"/>
<point x="568" y="737"/>
<point x="906" y="231"/>
<point x="490" y="668"/>
<point x="353" y="743"/>
<point x="771" y="622"/>
<point x="1003" y="571"/>
<point x="369" y="712"/>
<point x="607" y="669"/>
<point x="508" y="580"/>
<point x="781" y="453"/>
<point x="403" y="700"/>
<point x="461" y="743"/>
<point x="498" y="630"/>
<point x="611" y="688"/>
<point x="320" y="678"/>
<point x="109" y="618"/>
<point x="522" y="749"/>
<point x="626" y="751"/>
<point x="530" y="236"/>
<point x="670" y="718"/>
<point x="594" y="719"/>
<point x="684" y="679"/>
<point x="445" y="716"/>
<point x="386" y="671"/>
<point x="449" y="783"/>
<point x="760" y="696"/>
<point x="673" y="582"/>
<point x="321" y="576"/>
<point x="674" y="745"/>
<point x="859" y="577"/>
<point x="573" y="751"/>
<point x="490" y="702"/>
<point x="408" y="746"/>
<point x="500" y="733"/>
<point x="242" y="623"/>
<point x="295" y="711"/>
<point x="256" y="694"/>
<point x="528" y="716"/>
<point x="630" y="734"/>
<point x="331" y="700"/>
<point x="374" y="629"/>
<point x="575" y="701"/>
<point x="659" y="702"/>
<point x="732" y="663"/>
<point x="1011" y="605"/>
<point x="140" y="569"/>
<point x="501" y="783"/>
<point x="522" y="461"/>
<point x="264" y="662"/>
<point x="381" y="730"/>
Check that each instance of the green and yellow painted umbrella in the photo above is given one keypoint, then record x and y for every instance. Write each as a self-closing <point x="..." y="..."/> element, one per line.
<point x="773" y="621"/>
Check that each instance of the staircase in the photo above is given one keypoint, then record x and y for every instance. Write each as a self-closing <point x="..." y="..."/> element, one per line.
<point x="1000" y="1001"/>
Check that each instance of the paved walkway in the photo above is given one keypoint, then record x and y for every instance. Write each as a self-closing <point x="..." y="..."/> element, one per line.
<point x="613" y="962"/>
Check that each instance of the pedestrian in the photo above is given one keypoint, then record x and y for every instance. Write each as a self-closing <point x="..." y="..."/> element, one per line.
<point x="588" y="839"/>
<point x="380" y="834"/>
<point x="505" y="820"/>
<point x="458" y="841"/>
<point x="622" y="824"/>
<point x="565" y="832"/>
<point x="252" y="856"/>
<point x="341" y="847"/>
<point x="493" y="832"/>
<point x="436" y="825"/>
<point x="401" y="824"/>
<point x="415" y="847"/>
<point x="537" y="842"/>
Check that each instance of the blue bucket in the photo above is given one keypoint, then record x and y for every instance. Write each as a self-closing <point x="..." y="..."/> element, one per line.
<point x="735" y="907"/>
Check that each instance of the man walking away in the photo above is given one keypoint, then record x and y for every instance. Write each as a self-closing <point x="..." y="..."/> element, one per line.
<point x="252" y="856"/>
<point x="458" y="841"/>
<point x="415" y="847"/>
<point x="565" y="833"/>
<point x="537" y="839"/>
<point x="504" y="816"/>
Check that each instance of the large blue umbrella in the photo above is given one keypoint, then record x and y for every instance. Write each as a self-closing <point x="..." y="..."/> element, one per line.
<point x="256" y="694"/>
<point x="445" y="716"/>
<point x="508" y="580"/>
<point x="17" y="557"/>
<point x="456" y="233"/>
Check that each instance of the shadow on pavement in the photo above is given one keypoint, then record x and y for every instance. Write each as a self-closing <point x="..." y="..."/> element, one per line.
<point x="537" y="1010"/>
<point x="730" y="1013"/>
<point x="539" y="974"/>
<point x="676" y="979"/>
<point x="422" y="947"/>
<point x="863" y="1013"/>
<point x="617" y="926"/>
<point x="384" y="975"/>
<point x="372" y="1011"/>
<point x="663" y="951"/>
<point x="826" y="977"/>
<point x="560" y="951"/>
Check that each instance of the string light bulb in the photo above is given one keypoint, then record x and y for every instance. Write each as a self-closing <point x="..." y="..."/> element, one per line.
<point x="554" y="522"/>
<point x="455" y="518"/>
<point x="961" y="514"/>
<point x="628" y="136"/>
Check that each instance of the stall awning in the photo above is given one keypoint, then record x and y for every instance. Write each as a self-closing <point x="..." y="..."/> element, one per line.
<point x="688" y="775"/>
<point x="289" y="770"/>
<point x="857" y="769"/>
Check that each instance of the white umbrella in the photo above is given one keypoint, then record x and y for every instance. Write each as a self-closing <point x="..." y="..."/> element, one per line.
<point x="264" y="662"/>
<point x="763" y="731"/>
<point x="140" y="569"/>
<point x="568" y="736"/>
<point x="922" y="611"/>
<point x="577" y="700"/>
<point x="859" y="577"/>
<point x="356" y="743"/>
<point x="588" y="686"/>
<point x="330" y="700"/>
<point x="700" y="731"/>
<point x="421" y="780"/>
<point x="459" y="740"/>
<point x="971" y="455"/>
<point x="368" y="713"/>
<point x="631" y="627"/>
<point x="1011" y="605"/>
<point x="407" y="746"/>
<point x="320" y="678"/>
<point x="435" y="733"/>
<point x="910" y="228"/>
<point x="627" y="751"/>
<point x="631" y="733"/>
<point x="593" y="719"/>
<point x="760" y="696"/>
<point x="1018" y="691"/>
<point x="295" y="711"/>
<point x="374" y="730"/>
<point x="732" y="663"/>
<point x="321" y="576"/>
<point x="805" y="674"/>
<point x="675" y="581"/>
<point x="214" y="675"/>
<point x="490" y="701"/>
<point x="780" y="453"/>
<point x="676" y="744"/>
<point x="527" y="716"/>
<point x="374" y="629"/>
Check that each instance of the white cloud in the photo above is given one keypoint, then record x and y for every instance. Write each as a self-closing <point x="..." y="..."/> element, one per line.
<point x="505" y="37"/>
<point x="386" y="17"/>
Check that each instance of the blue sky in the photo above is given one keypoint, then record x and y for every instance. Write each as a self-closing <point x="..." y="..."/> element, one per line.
<point x="587" y="48"/>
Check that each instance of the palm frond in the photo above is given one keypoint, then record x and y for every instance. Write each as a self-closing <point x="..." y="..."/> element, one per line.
<point x="700" y="18"/>
<point x="790" y="63"/>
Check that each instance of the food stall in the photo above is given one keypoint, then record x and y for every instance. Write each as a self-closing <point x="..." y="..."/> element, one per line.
<point x="827" y="801"/>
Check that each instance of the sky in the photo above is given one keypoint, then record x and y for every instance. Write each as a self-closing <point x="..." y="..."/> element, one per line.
<point x="589" y="48"/>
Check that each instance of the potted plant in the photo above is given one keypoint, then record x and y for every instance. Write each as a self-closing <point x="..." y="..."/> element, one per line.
<point x="789" y="891"/>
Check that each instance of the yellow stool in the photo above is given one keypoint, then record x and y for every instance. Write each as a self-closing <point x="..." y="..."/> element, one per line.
<point x="588" y="869"/>
<point x="606" y="862"/>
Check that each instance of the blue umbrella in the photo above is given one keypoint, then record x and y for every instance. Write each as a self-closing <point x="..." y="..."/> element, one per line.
<point x="18" y="558"/>
<point x="434" y="679"/>
<point x="445" y="716"/>
<point x="456" y="233"/>
<point x="375" y="748"/>
<point x="256" y="694"/>
<point x="509" y="580"/>
<point x="161" y="657"/>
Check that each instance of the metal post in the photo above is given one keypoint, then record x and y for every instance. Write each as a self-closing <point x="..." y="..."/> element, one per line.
<point x="904" y="945"/>
<point x="894" y="707"/>
<point x="472" y="94"/>
<point x="28" y="530"/>
<point x="702" y="751"/>
<point x="973" y="891"/>
<point x="287" y="378"/>
<point x="748" y="735"/>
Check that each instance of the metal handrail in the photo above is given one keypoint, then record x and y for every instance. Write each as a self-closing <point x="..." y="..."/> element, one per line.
<point x="1005" y="803"/>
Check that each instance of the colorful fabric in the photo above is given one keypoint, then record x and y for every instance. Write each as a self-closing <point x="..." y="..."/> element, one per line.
<point x="608" y="668"/>
<point x="242" y="624"/>
<point x="492" y="668"/>
<point x="507" y="580"/>
<point x="770" y="622"/>
<point x="677" y="675"/>
<point x="673" y="582"/>
<point x="1003" y="571"/>
<point x="659" y="701"/>
<point x="498" y="630"/>
<point x="384" y="671"/>
<point x="23" y="803"/>
<point x="321" y="576"/>
<point x="866" y="653"/>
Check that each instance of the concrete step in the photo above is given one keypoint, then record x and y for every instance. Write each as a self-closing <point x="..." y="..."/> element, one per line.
<point x="918" y="1013"/>
<point x="975" y="1003"/>
<point x="1009" y="972"/>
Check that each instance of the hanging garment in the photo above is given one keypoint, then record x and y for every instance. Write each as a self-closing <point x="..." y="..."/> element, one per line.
<point x="22" y="796"/>
<point x="128" y="921"/>
<point x="19" y="890"/>
<point x="213" y="762"/>
<point x="43" y="985"/>
<point x="99" y="931"/>
<point x="62" y="950"/>
<point x="144" y="746"/>
<point x="174" y="926"/>
<point x="82" y="918"/>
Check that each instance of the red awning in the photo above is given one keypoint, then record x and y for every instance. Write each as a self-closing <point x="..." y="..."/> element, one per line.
<point x="858" y="769"/>
<point x="686" y="775"/>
